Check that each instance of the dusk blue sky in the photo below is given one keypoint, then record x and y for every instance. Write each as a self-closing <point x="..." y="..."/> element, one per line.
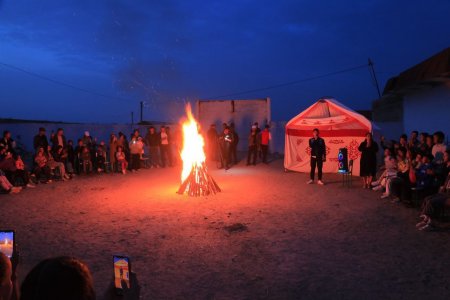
<point x="167" y="52"/>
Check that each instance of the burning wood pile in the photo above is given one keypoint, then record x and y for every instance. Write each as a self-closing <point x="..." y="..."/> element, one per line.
<point x="195" y="180"/>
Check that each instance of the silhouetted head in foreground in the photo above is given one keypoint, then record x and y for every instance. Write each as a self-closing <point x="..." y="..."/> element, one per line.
<point x="58" y="278"/>
<point x="5" y="277"/>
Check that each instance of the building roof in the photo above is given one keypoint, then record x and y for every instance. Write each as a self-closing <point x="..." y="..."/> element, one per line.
<point x="431" y="71"/>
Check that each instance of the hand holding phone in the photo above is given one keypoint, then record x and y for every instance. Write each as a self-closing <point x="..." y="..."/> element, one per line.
<point x="122" y="271"/>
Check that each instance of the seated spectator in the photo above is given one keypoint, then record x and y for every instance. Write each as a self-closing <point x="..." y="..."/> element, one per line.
<point x="433" y="204"/>
<point x="7" y="187"/>
<point x="60" y="155"/>
<point x="53" y="164"/>
<point x="9" y="167"/>
<point x="430" y="143"/>
<point x="101" y="157"/>
<point x="404" y="141"/>
<point x="413" y="143"/>
<point x="424" y="177"/>
<point x="439" y="147"/>
<point x="86" y="159"/>
<point x="58" y="278"/>
<point x="41" y="165"/>
<point x="20" y="165"/>
<point x="121" y="160"/>
<point x="423" y="147"/>
<point x="400" y="185"/>
<point x="390" y="172"/>
<point x="8" y="278"/>
<point x="441" y="170"/>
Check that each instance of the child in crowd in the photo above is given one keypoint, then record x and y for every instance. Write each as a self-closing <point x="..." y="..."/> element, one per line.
<point x="41" y="165"/>
<point x="390" y="172"/>
<point x="121" y="160"/>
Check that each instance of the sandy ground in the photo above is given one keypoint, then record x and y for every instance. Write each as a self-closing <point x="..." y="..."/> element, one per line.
<point x="302" y="241"/>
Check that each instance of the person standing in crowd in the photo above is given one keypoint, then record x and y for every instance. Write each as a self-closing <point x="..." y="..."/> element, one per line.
<point x="153" y="140"/>
<point x="212" y="142"/>
<point x="253" y="144"/>
<point x="112" y="150"/>
<point x="136" y="150"/>
<point x="78" y="152"/>
<point x="265" y="139"/>
<point x="368" y="162"/>
<point x="40" y="140"/>
<point x="234" y="145"/>
<point x="439" y="147"/>
<point x="173" y="146"/>
<point x="318" y="156"/>
<point x="164" y="146"/>
<point x="8" y="143"/>
<point x="123" y="141"/>
<point x="59" y="139"/>
<point x="226" y="141"/>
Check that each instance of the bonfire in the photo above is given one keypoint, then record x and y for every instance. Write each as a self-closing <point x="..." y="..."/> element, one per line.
<point x="195" y="180"/>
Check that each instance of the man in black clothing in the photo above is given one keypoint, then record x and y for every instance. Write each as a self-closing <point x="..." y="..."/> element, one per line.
<point x="318" y="156"/>
<point x="226" y="141"/>
<point x="40" y="140"/>
<point x="152" y="140"/>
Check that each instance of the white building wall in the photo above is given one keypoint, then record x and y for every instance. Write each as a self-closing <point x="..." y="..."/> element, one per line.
<point x="428" y="110"/>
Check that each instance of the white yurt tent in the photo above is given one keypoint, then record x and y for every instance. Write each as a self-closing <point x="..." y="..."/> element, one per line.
<point x="339" y="126"/>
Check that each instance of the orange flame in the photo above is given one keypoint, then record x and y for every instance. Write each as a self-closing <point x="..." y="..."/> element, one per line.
<point x="192" y="153"/>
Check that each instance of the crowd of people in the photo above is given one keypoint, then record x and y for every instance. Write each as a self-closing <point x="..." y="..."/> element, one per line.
<point x="55" y="157"/>
<point x="222" y="147"/>
<point x="415" y="171"/>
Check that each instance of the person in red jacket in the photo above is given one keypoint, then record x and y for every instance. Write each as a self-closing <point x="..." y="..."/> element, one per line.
<point x="265" y="139"/>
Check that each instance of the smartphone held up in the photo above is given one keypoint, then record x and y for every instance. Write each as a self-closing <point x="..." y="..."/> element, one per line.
<point x="122" y="271"/>
<point x="7" y="242"/>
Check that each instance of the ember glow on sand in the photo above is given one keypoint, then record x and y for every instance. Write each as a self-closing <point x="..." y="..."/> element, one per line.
<point x="195" y="180"/>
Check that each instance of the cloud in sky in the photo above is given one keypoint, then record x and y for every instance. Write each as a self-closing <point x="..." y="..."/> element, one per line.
<point x="166" y="52"/>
